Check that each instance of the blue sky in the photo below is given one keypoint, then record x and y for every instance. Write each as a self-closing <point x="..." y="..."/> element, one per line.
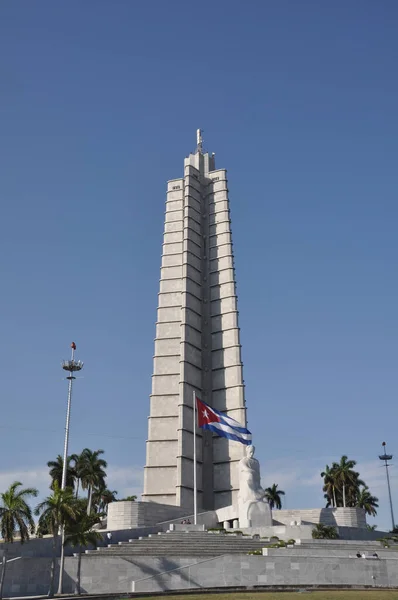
<point x="99" y="104"/>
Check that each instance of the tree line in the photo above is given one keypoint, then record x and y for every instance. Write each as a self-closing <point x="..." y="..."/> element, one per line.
<point x="343" y="487"/>
<point x="84" y="502"/>
<point x="85" y="472"/>
<point x="62" y="511"/>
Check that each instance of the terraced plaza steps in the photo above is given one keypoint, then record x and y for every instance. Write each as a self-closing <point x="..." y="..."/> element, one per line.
<point x="177" y="560"/>
<point x="207" y="544"/>
<point x="191" y="543"/>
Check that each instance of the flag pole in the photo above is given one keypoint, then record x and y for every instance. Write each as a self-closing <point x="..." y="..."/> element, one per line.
<point x="195" y="490"/>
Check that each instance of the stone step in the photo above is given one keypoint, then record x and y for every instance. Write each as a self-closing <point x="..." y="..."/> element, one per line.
<point x="141" y="548"/>
<point x="197" y="535"/>
<point x="355" y="547"/>
<point x="203" y="542"/>
<point x="174" y="552"/>
<point x="340" y="542"/>
<point x="164" y="546"/>
<point x="326" y="552"/>
<point x="175" y="549"/>
<point x="183" y="546"/>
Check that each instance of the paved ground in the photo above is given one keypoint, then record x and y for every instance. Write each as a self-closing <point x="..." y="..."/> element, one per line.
<point x="297" y="595"/>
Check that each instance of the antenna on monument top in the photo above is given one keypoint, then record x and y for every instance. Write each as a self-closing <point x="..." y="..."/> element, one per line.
<point x="199" y="140"/>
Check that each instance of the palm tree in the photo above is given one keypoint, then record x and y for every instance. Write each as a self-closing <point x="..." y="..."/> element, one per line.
<point x="352" y="491"/>
<point x="103" y="497"/>
<point x="81" y="534"/>
<point x="78" y="460"/>
<point x="273" y="495"/>
<point x="365" y="500"/>
<point x="92" y="473"/>
<point x="15" y="519"/>
<point x="56" y="467"/>
<point x="329" y="479"/>
<point x="15" y="513"/>
<point x="56" y="511"/>
<point x="344" y="474"/>
<point x="342" y="485"/>
<point x="324" y="532"/>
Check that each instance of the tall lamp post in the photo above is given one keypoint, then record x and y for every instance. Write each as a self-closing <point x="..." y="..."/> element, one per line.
<point x="386" y="457"/>
<point x="72" y="366"/>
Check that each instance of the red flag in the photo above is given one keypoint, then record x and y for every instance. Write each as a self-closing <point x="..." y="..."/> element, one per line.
<point x="206" y="414"/>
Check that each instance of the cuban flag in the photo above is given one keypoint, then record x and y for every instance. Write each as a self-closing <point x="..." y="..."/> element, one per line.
<point x="219" y="423"/>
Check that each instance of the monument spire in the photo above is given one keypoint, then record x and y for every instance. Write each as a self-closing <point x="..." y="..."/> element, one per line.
<point x="197" y="344"/>
<point x="199" y="141"/>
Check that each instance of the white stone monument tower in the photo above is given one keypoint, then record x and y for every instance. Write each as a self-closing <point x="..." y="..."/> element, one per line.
<point x="197" y="343"/>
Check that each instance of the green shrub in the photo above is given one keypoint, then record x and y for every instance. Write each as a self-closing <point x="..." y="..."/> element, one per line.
<point x="291" y="542"/>
<point x="255" y="553"/>
<point x="282" y="544"/>
<point x="324" y="532"/>
<point x="394" y="539"/>
<point x="233" y="531"/>
<point x="220" y="529"/>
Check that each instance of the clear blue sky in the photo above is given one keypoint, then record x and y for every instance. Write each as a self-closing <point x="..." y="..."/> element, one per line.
<point x="99" y="105"/>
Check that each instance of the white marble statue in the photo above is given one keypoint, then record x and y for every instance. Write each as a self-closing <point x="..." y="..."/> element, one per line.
<point x="254" y="510"/>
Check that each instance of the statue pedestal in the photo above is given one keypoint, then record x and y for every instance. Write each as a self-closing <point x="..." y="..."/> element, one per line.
<point x="255" y="514"/>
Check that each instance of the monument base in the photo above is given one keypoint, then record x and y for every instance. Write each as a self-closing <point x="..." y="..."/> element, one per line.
<point x="255" y="514"/>
<point x="285" y="533"/>
<point x="230" y="516"/>
<point x="130" y="515"/>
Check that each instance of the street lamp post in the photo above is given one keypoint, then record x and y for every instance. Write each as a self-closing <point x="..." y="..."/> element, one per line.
<point x="72" y="366"/>
<point x="386" y="457"/>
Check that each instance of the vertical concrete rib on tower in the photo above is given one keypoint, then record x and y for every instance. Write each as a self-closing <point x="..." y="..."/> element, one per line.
<point x="197" y="343"/>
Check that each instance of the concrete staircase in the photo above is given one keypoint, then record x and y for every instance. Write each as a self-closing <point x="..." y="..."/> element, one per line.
<point x="322" y="549"/>
<point x="347" y="545"/>
<point x="193" y="543"/>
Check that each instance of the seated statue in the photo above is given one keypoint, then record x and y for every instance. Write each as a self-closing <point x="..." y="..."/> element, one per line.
<point x="254" y="510"/>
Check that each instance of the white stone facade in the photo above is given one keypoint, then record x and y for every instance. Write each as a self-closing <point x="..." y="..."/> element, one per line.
<point x="130" y="515"/>
<point x="340" y="517"/>
<point x="197" y="346"/>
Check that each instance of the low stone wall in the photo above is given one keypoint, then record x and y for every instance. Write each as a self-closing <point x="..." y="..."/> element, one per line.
<point x="185" y="528"/>
<point x="207" y="519"/>
<point x="304" y="532"/>
<point x="360" y="533"/>
<point x="339" y="517"/>
<point x="227" y="513"/>
<point x="43" y="547"/>
<point x="297" y="571"/>
<point x="283" y="532"/>
<point x="99" y="574"/>
<point x="128" y="515"/>
<point x="115" y="574"/>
